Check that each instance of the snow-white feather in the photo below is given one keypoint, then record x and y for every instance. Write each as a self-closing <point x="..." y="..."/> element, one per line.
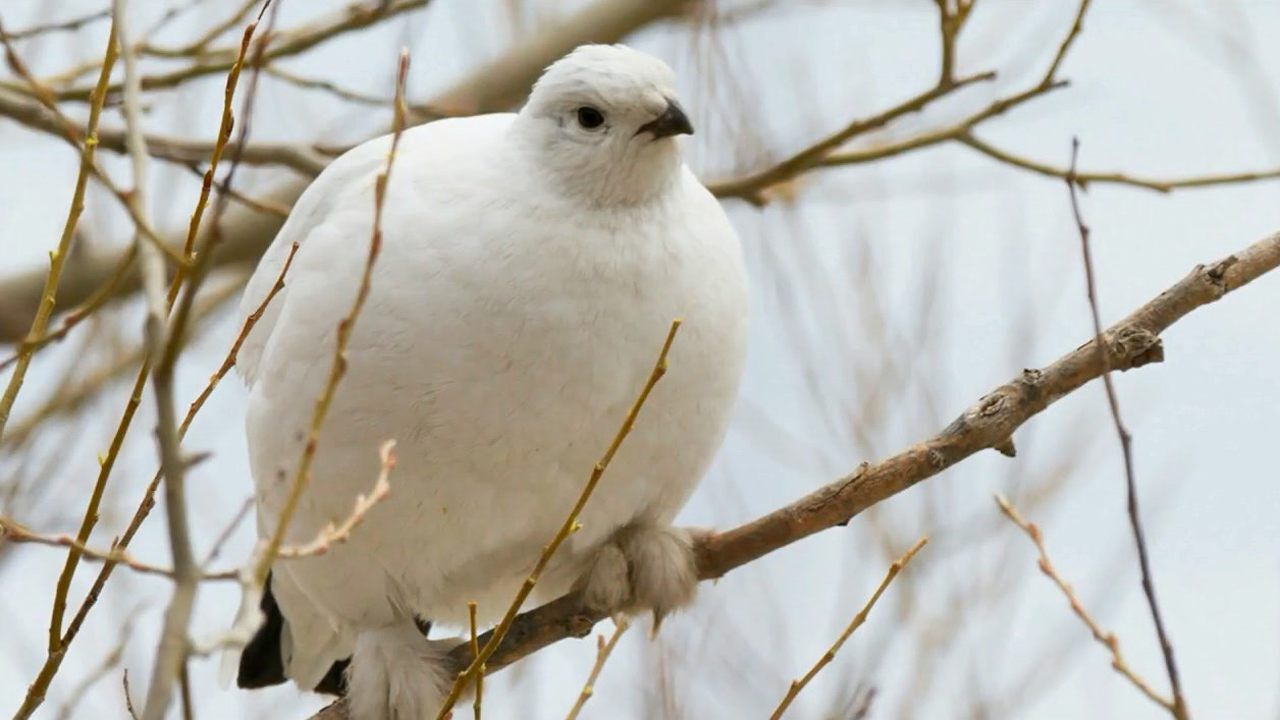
<point x="529" y="273"/>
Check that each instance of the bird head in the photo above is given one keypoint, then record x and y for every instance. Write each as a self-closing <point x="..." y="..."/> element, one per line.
<point x="603" y="121"/>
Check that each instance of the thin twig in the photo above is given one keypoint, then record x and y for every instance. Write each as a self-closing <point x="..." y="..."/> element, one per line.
<point x="603" y="651"/>
<point x="110" y="662"/>
<point x="1084" y="179"/>
<point x="60" y="640"/>
<point x="1106" y="639"/>
<point x="69" y="132"/>
<point x="61" y="26"/>
<point x="1179" y="708"/>
<point x="173" y="650"/>
<point x="475" y="650"/>
<point x="58" y="257"/>
<point x="857" y="621"/>
<point x="338" y="533"/>
<point x="16" y="532"/>
<point x="338" y="364"/>
<point x="567" y="528"/>
<point x="284" y="44"/>
<point x="229" y="360"/>
<point x="79" y="314"/>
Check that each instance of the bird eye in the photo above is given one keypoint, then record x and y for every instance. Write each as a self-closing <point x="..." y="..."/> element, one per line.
<point x="589" y="117"/>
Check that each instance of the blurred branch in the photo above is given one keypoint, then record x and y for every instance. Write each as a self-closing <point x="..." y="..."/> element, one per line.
<point x="58" y="257"/>
<point x="1106" y="639"/>
<point x="165" y="346"/>
<point x="71" y="397"/>
<point x="1179" y="709"/>
<point x="496" y="85"/>
<point x="356" y="16"/>
<point x="62" y="126"/>
<point x="60" y="26"/>
<point x="36" y="116"/>
<point x="603" y="651"/>
<point x="213" y="32"/>
<point x="752" y="188"/>
<point x="1083" y="179"/>
<point x="990" y="423"/>
<point x="13" y="531"/>
<point x="59" y="640"/>
<point x="797" y="685"/>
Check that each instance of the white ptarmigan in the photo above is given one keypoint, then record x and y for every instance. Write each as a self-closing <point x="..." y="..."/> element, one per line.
<point x="531" y="266"/>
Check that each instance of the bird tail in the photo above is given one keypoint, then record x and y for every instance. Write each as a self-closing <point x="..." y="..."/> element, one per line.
<point x="262" y="659"/>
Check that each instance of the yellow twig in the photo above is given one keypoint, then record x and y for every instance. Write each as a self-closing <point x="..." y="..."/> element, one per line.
<point x="858" y="620"/>
<point x="475" y="652"/>
<point x="58" y="257"/>
<point x="567" y="528"/>
<point x="338" y="365"/>
<point x="603" y="651"/>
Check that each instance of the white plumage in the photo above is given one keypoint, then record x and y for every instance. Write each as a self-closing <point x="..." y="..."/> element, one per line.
<point x="531" y="267"/>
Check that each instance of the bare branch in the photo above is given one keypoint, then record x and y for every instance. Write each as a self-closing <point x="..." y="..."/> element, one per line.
<point x="1179" y="708"/>
<point x="62" y="26"/>
<point x="989" y="423"/>
<point x="338" y="533"/>
<point x="603" y="651"/>
<point x="854" y="624"/>
<point x="1106" y="639"/>
<point x="58" y="257"/>
<point x="496" y="85"/>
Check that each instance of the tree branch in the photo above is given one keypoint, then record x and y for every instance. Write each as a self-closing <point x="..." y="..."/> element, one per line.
<point x="497" y="85"/>
<point x="989" y="423"/>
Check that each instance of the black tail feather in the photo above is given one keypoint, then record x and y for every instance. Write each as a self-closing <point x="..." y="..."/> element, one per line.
<point x="262" y="663"/>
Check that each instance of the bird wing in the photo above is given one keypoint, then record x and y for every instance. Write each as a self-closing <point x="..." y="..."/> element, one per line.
<point x="310" y="212"/>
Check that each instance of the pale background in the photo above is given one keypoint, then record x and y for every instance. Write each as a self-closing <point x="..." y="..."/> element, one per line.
<point x="886" y="299"/>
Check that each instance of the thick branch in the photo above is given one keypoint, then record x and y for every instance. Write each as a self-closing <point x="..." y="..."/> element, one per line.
<point x="988" y="423"/>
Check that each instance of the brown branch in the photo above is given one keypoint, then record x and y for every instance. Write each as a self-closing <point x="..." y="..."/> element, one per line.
<point x="1106" y="639"/>
<point x="497" y="85"/>
<point x="990" y="423"/>
<point x="62" y="26"/>
<point x="284" y="44"/>
<point x="1179" y="709"/>
<point x="751" y="188"/>
<point x="13" y="531"/>
<point x="950" y="23"/>
<point x="797" y="685"/>
<point x="32" y="114"/>
<point x="1083" y="179"/>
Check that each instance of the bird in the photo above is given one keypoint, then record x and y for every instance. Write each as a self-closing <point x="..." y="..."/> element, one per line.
<point x="531" y="265"/>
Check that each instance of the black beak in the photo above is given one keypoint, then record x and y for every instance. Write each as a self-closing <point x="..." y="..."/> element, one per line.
<point x="671" y="122"/>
